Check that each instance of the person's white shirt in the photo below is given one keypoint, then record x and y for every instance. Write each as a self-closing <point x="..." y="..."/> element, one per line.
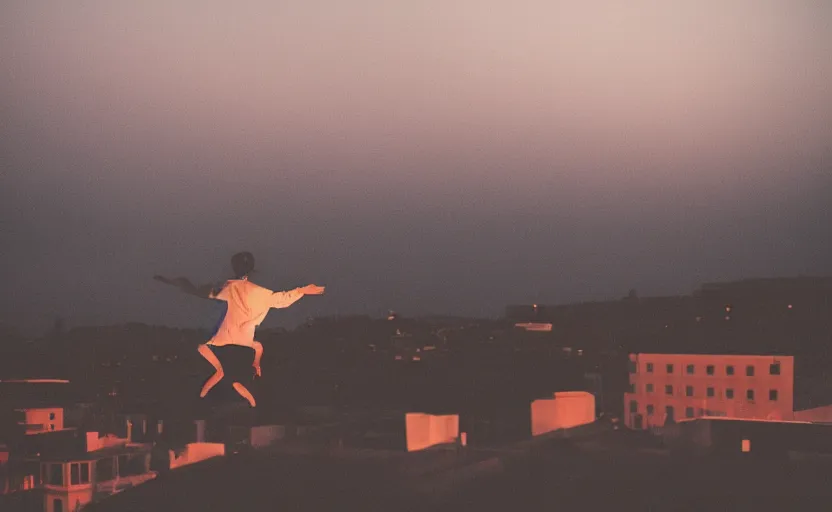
<point x="248" y="305"/>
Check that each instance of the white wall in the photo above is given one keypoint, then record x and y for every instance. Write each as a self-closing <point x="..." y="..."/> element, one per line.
<point x="196" y="452"/>
<point x="426" y="430"/>
<point x="566" y="410"/>
<point x="42" y="417"/>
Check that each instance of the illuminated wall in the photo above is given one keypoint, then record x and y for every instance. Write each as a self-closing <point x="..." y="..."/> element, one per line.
<point x="426" y="430"/>
<point x="566" y="410"/>
<point x="43" y="419"/>
<point x="691" y="386"/>
<point x="65" y="501"/>
<point x="196" y="452"/>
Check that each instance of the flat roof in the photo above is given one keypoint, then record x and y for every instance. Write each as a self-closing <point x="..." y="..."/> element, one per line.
<point x="110" y="451"/>
<point x="34" y="381"/>
<point x="744" y="420"/>
<point x="713" y="354"/>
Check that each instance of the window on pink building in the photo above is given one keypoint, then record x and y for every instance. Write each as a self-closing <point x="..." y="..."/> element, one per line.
<point x="633" y="406"/>
<point x="749" y="371"/>
<point x="750" y="394"/>
<point x="650" y="410"/>
<point x="729" y="370"/>
<point x="689" y="370"/>
<point x="669" y="368"/>
<point x="649" y="367"/>
<point x="688" y="390"/>
<point x="649" y="388"/>
<point x="668" y="390"/>
<point x="709" y="369"/>
<point x="774" y="369"/>
<point x="772" y="395"/>
<point x="729" y="393"/>
<point x="56" y="474"/>
<point x="710" y="392"/>
<point x="689" y="412"/>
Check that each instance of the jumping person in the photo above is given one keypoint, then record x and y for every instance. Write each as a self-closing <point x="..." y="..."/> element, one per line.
<point x="247" y="307"/>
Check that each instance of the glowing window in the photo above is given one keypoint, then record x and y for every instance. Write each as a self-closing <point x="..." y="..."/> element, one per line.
<point x="746" y="445"/>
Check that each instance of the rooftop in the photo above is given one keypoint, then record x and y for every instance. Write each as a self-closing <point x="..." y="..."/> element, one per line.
<point x="257" y="481"/>
<point x="613" y="470"/>
<point x="110" y="451"/>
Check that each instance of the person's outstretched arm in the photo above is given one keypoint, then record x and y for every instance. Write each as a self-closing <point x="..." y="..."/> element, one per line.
<point x="286" y="299"/>
<point x="204" y="291"/>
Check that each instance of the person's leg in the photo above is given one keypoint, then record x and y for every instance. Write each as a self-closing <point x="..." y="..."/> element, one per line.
<point x="212" y="381"/>
<point x="258" y="353"/>
<point x="245" y="393"/>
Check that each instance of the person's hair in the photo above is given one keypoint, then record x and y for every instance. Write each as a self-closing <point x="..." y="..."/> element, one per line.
<point x="242" y="263"/>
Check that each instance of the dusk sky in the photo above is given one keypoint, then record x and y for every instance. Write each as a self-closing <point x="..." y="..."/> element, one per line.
<point x="448" y="156"/>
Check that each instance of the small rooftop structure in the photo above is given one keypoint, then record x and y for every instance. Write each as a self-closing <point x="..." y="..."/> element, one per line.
<point x="755" y="438"/>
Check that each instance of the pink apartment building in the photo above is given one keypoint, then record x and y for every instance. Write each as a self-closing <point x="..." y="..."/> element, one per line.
<point x="675" y="386"/>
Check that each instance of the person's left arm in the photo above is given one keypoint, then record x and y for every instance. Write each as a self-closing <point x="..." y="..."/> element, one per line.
<point x="285" y="299"/>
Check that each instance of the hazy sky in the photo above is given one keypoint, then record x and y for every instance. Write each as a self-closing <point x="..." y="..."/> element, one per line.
<point x="446" y="156"/>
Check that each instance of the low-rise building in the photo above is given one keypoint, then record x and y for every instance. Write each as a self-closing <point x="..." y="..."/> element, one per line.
<point x="747" y="438"/>
<point x="109" y="465"/>
<point x="40" y="419"/>
<point x="669" y="387"/>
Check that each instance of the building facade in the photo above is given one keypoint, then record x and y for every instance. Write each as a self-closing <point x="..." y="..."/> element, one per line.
<point x="670" y="387"/>
<point x="70" y="483"/>
<point x="43" y="419"/>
